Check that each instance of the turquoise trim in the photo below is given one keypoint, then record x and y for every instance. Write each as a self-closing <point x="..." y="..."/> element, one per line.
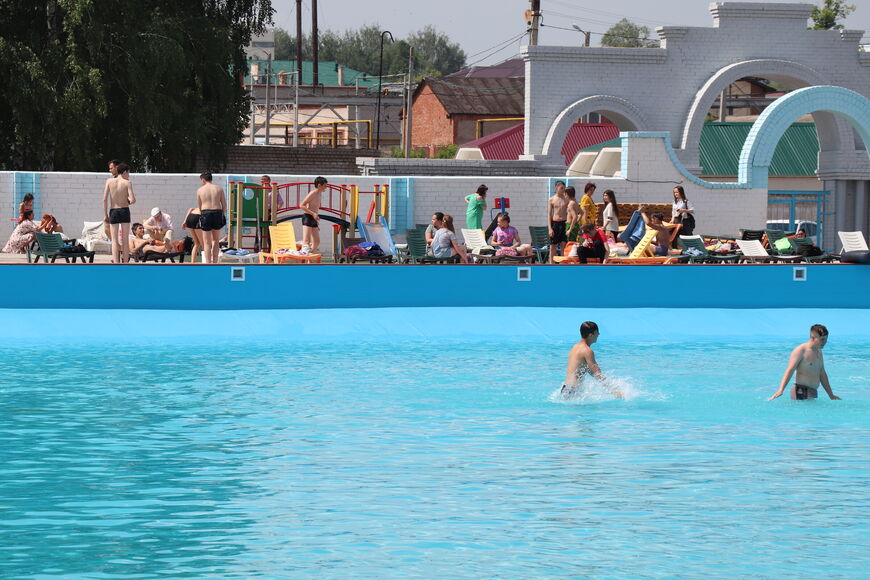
<point x="401" y="203"/>
<point x="24" y="182"/>
<point x="678" y="165"/>
<point x="774" y="121"/>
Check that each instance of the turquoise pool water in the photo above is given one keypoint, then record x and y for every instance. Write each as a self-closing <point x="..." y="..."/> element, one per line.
<point x="429" y="458"/>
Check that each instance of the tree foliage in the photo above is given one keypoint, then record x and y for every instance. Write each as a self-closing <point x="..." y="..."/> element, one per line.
<point x="826" y="16"/>
<point x="626" y="33"/>
<point x="82" y="81"/>
<point x="434" y="54"/>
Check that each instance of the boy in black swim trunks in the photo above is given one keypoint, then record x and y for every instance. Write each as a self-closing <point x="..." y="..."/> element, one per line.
<point x="808" y="365"/>
<point x="117" y="198"/>
<point x="212" y="204"/>
<point x="311" y="219"/>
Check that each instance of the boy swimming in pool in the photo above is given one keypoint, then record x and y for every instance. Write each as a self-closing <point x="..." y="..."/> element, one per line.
<point x="808" y="364"/>
<point x="581" y="360"/>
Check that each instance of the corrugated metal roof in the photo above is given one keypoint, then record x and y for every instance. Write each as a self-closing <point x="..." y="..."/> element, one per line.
<point x="478" y="96"/>
<point x="327" y="71"/>
<point x="796" y="154"/>
<point x="512" y="67"/>
<point x="508" y="143"/>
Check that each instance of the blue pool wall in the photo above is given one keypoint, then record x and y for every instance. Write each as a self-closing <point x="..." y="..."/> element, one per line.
<point x="301" y="287"/>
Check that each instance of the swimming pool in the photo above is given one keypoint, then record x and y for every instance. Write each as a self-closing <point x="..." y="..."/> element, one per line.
<point x="426" y="443"/>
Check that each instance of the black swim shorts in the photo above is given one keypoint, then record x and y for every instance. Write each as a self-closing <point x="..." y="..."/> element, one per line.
<point x="119" y="215"/>
<point x="211" y="219"/>
<point x="308" y="220"/>
<point x="802" y="393"/>
<point x="192" y="221"/>
<point x="558" y="236"/>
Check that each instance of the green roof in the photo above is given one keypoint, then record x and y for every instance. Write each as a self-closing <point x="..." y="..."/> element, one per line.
<point x="327" y="73"/>
<point x="796" y="154"/>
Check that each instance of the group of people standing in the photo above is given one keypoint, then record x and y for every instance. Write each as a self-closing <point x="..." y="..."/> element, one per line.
<point x="571" y="221"/>
<point x="205" y="221"/>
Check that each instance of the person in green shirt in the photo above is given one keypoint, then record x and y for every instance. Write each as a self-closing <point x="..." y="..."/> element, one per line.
<point x="476" y="205"/>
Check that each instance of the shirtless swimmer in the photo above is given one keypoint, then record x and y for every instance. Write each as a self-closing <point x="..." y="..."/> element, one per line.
<point x="808" y="365"/>
<point x="581" y="360"/>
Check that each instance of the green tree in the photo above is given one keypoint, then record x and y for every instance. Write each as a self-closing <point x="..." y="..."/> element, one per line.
<point x="82" y="81"/>
<point x="825" y="17"/>
<point x="434" y="54"/>
<point x="626" y="33"/>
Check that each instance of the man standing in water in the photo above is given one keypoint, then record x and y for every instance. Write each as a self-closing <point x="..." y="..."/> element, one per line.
<point x="117" y="198"/>
<point x="581" y="360"/>
<point x="311" y="218"/>
<point x="809" y="365"/>
<point x="212" y="205"/>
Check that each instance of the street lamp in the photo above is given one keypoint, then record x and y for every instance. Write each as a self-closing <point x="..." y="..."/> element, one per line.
<point x="583" y="32"/>
<point x="380" y="81"/>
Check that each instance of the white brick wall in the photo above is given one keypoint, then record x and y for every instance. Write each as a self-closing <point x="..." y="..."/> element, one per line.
<point x="766" y="40"/>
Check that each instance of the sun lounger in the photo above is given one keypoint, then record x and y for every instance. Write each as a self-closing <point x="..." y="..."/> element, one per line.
<point x="51" y="246"/>
<point x="753" y="251"/>
<point x="700" y="253"/>
<point x="417" y="249"/>
<point x="152" y="256"/>
<point x="797" y="243"/>
<point x="540" y="240"/>
<point x="94" y="238"/>
<point x="283" y="238"/>
<point x="379" y="233"/>
<point x="853" y="242"/>
<point x="639" y="254"/>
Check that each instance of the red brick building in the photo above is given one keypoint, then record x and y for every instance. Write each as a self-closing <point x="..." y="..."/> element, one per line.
<point x="446" y="111"/>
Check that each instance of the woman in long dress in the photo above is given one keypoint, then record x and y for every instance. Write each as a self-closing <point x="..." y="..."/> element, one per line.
<point x="22" y="236"/>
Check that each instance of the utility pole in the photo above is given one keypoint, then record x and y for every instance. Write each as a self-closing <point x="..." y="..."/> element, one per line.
<point x="536" y="22"/>
<point x="314" y="56"/>
<point x="299" y="42"/>
<point x="268" y="86"/>
<point x="586" y="34"/>
<point x="380" y="87"/>
<point x="408" y="114"/>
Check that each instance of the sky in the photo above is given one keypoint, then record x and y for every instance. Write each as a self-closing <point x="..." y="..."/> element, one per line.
<point x="490" y="31"/>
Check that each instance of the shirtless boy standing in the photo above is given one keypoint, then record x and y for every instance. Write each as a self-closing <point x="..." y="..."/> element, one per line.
<point x="212" y="205"/>
<point x="557" y="214"/>
<point x="310" y="219"/>
<point x="117" y="198"/>
<point x="573" y="224"/>
<point x="581" y="360"/>
<point x="808" y="364"/>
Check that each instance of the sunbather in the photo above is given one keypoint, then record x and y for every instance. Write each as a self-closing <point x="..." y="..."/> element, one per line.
<point x="506" y="239"/>
<point x="444" y="245"/>
<point x="139" y="246"/>
<point x="49" y="225"/>
<point x="593" y="244"/>
<point x="655" y="222"/>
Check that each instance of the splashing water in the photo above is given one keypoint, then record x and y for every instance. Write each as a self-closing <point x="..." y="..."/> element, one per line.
<point x="593" y="390"/>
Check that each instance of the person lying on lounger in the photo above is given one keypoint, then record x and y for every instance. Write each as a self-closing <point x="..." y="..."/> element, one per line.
<point x="139" y="246"/>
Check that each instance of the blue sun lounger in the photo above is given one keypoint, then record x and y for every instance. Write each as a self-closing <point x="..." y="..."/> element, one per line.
<point x="634" y="231"/>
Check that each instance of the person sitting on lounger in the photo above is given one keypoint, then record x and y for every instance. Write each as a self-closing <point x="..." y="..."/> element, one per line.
<point x="655" y="222"/>
<point x="444" y="244"/>
<point x="49" y="225"/>
<point x="592" y="244"/>
<point x="506" y="239"/>
<point x="139" y="246"/>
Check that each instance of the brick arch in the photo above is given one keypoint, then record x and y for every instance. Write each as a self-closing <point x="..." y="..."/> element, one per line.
<point x="623" y="113"/>
<point x="833" y="134"/>
<point x="757" y="153"/>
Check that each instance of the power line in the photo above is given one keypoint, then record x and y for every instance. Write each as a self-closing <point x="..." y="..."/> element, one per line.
<point x="493" y="53"/>
<point x="511" y="39"/>
<point x="606" y="13"/>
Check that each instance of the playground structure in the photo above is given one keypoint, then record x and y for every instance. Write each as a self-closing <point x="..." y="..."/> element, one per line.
<point x="253" y="207"/>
